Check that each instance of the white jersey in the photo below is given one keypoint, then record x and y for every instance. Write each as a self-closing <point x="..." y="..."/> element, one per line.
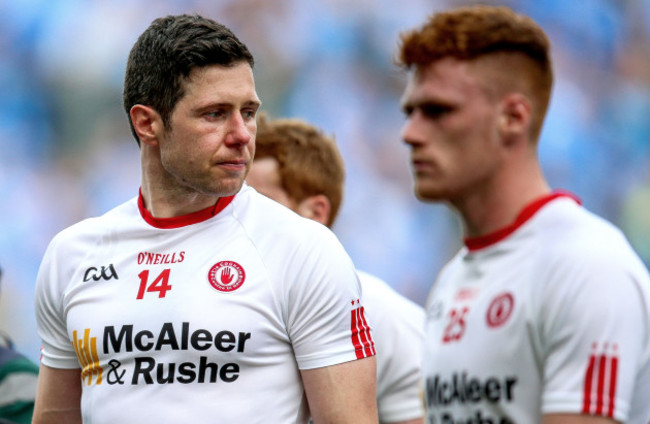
<point x="550" y="315"/>
<point x="203" y="318"/>
<point x="398" y="332"/>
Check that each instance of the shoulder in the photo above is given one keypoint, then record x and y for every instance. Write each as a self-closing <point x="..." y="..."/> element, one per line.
<point x="265" y="220"/>
<point x="382" y="300"/>
<point x="571" y="236"/>
<point x="95" y="230"/>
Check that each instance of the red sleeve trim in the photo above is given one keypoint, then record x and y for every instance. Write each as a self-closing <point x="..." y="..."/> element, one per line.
<point x="364" y="346"/>
<point x="476" y="243"/>
<point x="599" y="396"/>
<point x="183" y="220"/>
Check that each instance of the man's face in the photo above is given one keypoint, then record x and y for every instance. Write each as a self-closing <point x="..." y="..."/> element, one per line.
<point x="452" y="130"/>
<point x="264" y="176"/>
<point x="210" y="144"/>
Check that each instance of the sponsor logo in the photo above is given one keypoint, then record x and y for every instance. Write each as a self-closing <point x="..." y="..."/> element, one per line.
<point x="500" y="310"/>
<point x="101" y="273"/>
<point x="129" y="355"/>
<point x="226" y="276"/>
<point x="86" y="349"/>
<point x="464" y="389"/>
<point x="466" y="293"/>
<point x="479" y="417"/>
<point x="478" y="396"/>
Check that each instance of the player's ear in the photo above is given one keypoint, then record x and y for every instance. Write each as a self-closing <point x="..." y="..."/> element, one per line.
<point x="147" y="124"/>
<point x="515" y="118"/>
<point x="316" y="207"/>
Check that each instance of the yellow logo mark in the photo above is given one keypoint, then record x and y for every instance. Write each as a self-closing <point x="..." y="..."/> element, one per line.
<point x="86" y="349"/>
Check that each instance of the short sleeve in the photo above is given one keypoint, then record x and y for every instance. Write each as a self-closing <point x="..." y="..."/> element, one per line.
<point x="594" y="338"/>
<point x="326" y="318"/>
<point x="57" y="350"/>
<point x="398" y="332"/>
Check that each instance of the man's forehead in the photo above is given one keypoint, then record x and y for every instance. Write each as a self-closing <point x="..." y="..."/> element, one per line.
<point x="442" y="80"/>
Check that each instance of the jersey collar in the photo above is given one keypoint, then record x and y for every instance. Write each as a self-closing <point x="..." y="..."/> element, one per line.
<point x="476" y="243"/>
<point x="183" y="220"/>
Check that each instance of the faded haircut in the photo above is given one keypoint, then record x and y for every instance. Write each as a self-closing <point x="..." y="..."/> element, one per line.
<point x="474" y="32"/>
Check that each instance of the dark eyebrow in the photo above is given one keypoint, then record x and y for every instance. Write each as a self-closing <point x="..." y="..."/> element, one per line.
<point x="221" y="105"/>
<point x="427" y="105"/>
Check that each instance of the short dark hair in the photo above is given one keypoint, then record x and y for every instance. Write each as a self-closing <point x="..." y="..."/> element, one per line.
<point x="165" y="54"/>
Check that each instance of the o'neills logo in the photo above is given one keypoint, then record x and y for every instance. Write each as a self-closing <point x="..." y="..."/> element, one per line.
<point x="151" y="258"/>
<point x="226" y="276"/>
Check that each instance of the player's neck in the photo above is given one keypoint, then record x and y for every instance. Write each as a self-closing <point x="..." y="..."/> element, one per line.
<point x="163" y="198"/>
<point x="497" y="204"/>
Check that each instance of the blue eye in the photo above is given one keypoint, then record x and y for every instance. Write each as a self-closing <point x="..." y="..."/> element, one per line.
<point x="216" y="114"/>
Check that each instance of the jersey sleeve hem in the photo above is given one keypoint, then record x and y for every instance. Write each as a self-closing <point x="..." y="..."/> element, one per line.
<point x="568" y="403"/>
<point x="403" y="412"/>
<point x="64" y="363"/>
<point x="320" y="361"/>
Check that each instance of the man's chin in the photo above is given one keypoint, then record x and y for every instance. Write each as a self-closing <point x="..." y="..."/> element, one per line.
<point x="231" y="188"/>
<point x="428" y="195"/>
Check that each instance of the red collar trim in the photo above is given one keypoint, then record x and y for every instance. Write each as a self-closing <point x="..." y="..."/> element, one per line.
<point x="476" y="243"/>
<point x="183" y="220"/>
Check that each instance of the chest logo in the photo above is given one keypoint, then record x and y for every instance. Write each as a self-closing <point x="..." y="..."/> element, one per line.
<point x="500" y="309"/>
<point x="102" y="273"/>
<point x="226" y="276"/>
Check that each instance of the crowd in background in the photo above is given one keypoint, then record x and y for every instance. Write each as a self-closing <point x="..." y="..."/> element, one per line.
<point x="66" y="152"/>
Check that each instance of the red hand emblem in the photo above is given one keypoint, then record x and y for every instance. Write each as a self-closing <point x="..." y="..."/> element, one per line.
<point x="226" y="276"/>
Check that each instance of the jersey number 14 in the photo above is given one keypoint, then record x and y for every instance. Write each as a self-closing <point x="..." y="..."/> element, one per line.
<point x="160" y="284"/>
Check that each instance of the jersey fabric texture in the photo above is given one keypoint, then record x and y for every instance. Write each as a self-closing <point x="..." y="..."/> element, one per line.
<point x="18" y="380"/>
<point x="204" y="318"/>
<point x="398" y="333"/>
<point x="550" y="315"/>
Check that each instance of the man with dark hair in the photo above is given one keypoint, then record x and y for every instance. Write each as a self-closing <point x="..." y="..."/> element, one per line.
<point x="542" y="316"/>
<point x="199" y="300"/>
<point x="297" y="165"/>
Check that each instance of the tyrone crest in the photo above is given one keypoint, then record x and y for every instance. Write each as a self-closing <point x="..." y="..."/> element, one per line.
<point x="500" y="309"/>
<point x="226" y="276"/>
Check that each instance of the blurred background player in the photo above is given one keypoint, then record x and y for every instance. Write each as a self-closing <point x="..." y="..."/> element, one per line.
<point x="297" y="165"/>
<point x="18" y="379"/>
<point x="199" y="300"/>
<point x="542" y="316"/>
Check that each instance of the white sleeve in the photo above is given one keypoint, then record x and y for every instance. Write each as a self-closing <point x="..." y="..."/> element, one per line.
<point x="594" y="335"/>
<point x="57" y="350"/>
<point x="326" y="319"/>
<point x="398" y="332"/>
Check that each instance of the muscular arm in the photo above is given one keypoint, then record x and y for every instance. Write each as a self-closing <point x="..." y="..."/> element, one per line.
<point x="575" y="419"/>
<point x="58" y="397"/>
<point x="344" y="394"/>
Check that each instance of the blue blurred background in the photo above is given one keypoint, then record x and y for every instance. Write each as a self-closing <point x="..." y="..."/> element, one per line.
<point x="66" y="152"/>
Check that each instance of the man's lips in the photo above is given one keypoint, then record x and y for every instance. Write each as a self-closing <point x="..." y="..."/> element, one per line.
<point x="236" y="164"/>
<point x="420" y="165"/>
